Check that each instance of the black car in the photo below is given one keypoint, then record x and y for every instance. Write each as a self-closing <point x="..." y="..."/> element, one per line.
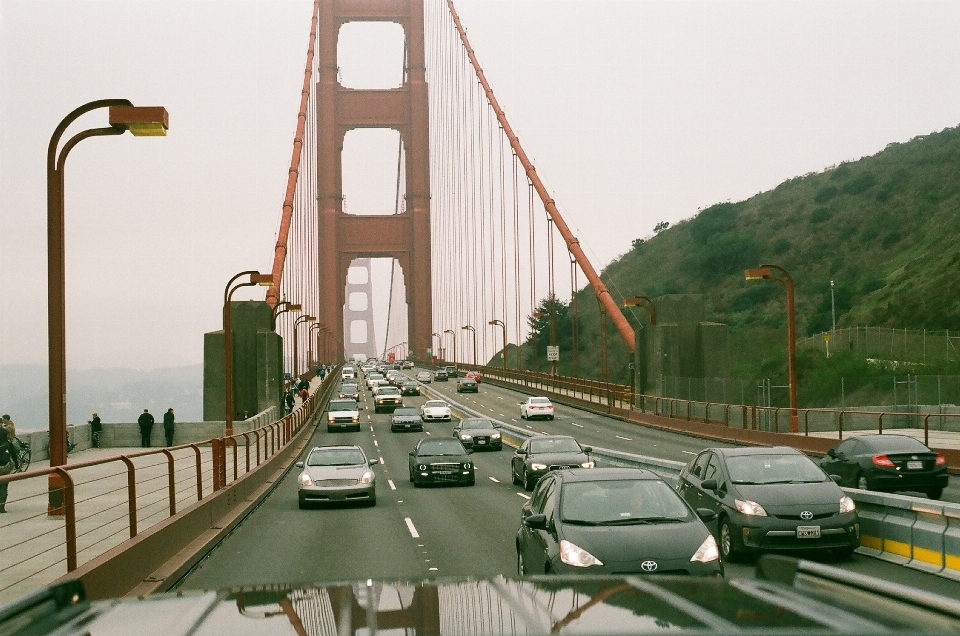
<point x="539" y="455"/>
<point x="350" y="391"/>
<point x="410" y="387"/>
<point x="406" y="418"/>
<point x="773" y="498"/>
<point x="478" y="432"/>
<point x="440" y="375"/>
<point x="441" y="461"/>
<point x="890" y="463"/>
<point x="605" y="520"/>
<point x="467" y="385"/>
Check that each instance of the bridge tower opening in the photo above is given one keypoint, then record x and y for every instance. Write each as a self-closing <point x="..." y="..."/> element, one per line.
<point x="404" y="236"/>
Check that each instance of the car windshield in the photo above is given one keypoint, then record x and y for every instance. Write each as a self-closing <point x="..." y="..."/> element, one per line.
<point x="406" y="410"/>
<point x="337" y="457"/>
<point x="441" y="447"/>
<point x="476" y="424"/>
<point x="621" y="502"/>
<point x="540" y="401"/>
<point x="556" y="445"/>
<point x="343" y="405"/>
<point x="388" y="390"/>
<point x="434" y="404"/>
<point x="773" y="469"/>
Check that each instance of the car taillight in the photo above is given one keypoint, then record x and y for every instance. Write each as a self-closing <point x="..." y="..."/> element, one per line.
<point x="882" y="460"/>
<point x="941" y="460"/>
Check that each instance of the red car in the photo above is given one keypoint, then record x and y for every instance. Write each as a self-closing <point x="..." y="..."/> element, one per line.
<point x="473" y="374"/>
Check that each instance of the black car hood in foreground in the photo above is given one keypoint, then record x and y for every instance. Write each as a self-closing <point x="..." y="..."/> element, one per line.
<point x="787" y="597"/>
<point x="559" y="459"/>
<point x="792" y="495"/>
<point x="611" y="544"/>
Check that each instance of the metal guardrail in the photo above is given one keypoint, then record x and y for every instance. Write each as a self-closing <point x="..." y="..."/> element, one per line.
<point x="61" y="518"/>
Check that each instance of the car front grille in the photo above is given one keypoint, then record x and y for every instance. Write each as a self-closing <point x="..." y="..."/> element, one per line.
<point x="348" y="419"/>
<point x="334" y="483"/>
<point x="481" y="439"/>
<point x="562" y="466"/>
<point x="445" y="472"/>
<point x="822" y="515"/>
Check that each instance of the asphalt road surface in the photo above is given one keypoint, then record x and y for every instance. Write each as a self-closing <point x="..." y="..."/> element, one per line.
<point x="444" y="531"/>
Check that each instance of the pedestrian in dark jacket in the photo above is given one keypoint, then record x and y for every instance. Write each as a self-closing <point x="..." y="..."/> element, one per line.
<point x="289" y="401"/>
<point x="168" y="426"/>
<point x="9" y="461"/>
<point x="146" y="426"/>
<point x="96" y="429"/>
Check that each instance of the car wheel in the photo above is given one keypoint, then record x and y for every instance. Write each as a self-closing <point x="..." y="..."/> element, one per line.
<point x="550" y="418"/>
<point x="862" y="482"/>
<point x="373" y="502"/>
<point x="528" y="482"/>
<point x="935" y="493"/>
<point x="515" y="477"/>
<point x="329" y="429"/>
<point x="728" y="549"/>
<point x="522" y="416"/>
<point x="844" y="553"/>
<point x="521" y="568"/>
<point x="302" y="505"/>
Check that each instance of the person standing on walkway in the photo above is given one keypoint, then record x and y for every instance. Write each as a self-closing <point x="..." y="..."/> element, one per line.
<point x="9" y="461"/>
<point x="96" y="428"/>
<point x="168" y="426"/>
<point x="288" y="400"/>
<point x="146" y="426"/>
<point x="12" y="428"/>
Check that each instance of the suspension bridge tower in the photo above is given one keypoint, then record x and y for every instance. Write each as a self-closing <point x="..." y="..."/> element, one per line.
<point x="404" y="236"/>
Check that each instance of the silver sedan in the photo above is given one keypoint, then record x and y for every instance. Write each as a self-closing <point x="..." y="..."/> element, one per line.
<point x="337" y="474"/>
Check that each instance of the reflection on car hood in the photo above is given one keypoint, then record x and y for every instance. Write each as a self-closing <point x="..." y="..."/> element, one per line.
<point x="661" y="541"/>
<point x="318" y="473"/>
<point x="782" y="496"/>
<point x="784" y="599"/>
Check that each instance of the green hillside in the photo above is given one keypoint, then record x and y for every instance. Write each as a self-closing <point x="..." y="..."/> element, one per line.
<point x="884" y="228"/>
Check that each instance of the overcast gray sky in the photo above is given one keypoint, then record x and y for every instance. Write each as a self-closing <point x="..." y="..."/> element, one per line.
<point x="634" y="113"/>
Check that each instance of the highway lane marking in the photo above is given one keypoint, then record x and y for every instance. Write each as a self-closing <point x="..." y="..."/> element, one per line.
<point x="523" y="495"/>
<point x="688" y="452"/>
<point x="393" y="486"/>
<point x="626" y="439"/>
<point x="411" y="528"/>
<point x="376" y="444"/>
<point x="577" y="425"/>
<point x="494" y="480"/>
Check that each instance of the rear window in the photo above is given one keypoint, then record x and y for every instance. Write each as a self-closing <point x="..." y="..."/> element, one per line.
<point x="407" y="410"/>
<point x="895" y="444"/>
<point x="540" y="401"/>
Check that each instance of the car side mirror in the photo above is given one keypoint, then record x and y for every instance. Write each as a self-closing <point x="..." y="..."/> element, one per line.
<point x="836" y="478"/>
<point x="299" y="464"/>
<point x="587" y="449"/>
<point x="373" y="462"/>
<point x="413" y="453"/>
<point x="706" y="514"/>
<point x="709" y="484"/>
<point x="832" y="453"/>
<point x="536" y="522"/>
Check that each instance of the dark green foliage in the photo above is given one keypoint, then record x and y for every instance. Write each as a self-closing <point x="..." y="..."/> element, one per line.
<point x="826" y="193"/>
<point x="717" y="219"/>
<point x="754" y="296"/>
<point x="780" y="246"/>
<point x="840" y="173"/>
<point x="860" y="184"/>
<point x="891" y="239"/>
<point x="726" y="254"/>
<point x="820" y="215"/>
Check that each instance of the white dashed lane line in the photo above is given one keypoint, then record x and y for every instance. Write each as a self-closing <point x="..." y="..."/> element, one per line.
<point x="393" y="486"/>
<point x="626" y="439"/>
<point x="523" y="495"/>
<point x="577" y="425"/>
<point x="688" y="452"/>
<point x="494" y="480"/>
<point x="411" y="528"/>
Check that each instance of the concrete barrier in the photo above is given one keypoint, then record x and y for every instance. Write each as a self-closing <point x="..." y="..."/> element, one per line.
<point x="871" y="512"/>
<point x="898" y="529"/>
<point x="927" y="537"/>
<point x="951" y="542"/>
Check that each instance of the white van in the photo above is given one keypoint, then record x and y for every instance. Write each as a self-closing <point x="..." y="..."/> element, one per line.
<point x="348" y="373"/>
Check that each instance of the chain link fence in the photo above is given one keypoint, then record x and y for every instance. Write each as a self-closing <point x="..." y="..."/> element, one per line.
<point x="887" y="343"/>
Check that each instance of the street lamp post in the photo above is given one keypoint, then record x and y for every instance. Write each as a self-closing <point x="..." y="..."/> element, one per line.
<point x="256" y="278"/>
<point x="439" y="346"/>
<point x="766" y="271"/>
<point x="499" y="323"/>
<point x="123" y="116"/>
<point x="296" y="352"/>
<point x="454" y="334"/>
<point x="313" y="357"/>
<point x="474" y="332"/>
<point x="282" y="308"/>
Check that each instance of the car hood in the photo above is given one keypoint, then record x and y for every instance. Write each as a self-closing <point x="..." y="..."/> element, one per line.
<point x="479" y="432"/>
<point x="774" y="497"/>
<point x="344" y="412"/>
<point x="660" y="542"/>
<point x="558" y="458"/>
<point x="336" y="472"/>
<point x="442" y="459"/>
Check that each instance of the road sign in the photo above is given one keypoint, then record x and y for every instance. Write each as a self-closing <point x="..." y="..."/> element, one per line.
<point x="553" y="354"/>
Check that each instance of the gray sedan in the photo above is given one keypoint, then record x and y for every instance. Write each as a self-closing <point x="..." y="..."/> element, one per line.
<point x="337" y="474"/>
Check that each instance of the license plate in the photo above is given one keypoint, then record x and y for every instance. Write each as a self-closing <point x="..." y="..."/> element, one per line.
<point x="481" y="441"/>
<point x="406" y="426"/>
<point x="914" y="465"/>
<point x="442" y="472"/>
<point x="808" y="532"/>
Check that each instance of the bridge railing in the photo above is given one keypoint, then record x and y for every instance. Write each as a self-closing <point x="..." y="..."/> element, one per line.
<point x="108" y="501"/>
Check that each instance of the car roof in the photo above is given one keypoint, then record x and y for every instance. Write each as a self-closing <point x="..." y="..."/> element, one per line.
<point x="555" y="437"/>
<point x="756" y="450"/>
<point x="335" y="447"/>
<point x="606" y="474"/>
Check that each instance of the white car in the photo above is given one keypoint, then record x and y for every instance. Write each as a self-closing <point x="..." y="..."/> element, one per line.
<point x="536" y="407"/>
<point x="435" y="410"/>
<point x="371" y="378"/>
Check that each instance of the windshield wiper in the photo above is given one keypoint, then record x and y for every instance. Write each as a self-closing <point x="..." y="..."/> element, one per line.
<point x="630" y="521"/>
<point x="793" y="481"/>
<point x="581" y="522"/>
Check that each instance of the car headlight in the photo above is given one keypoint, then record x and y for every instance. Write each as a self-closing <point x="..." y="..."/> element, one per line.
<point x="574" y="555"/>
<point x="305" y="480"/>
<point x="423" y="466"/>
<point x="466" y="465"/>
<point x="367" y="477"/>
<point x="751" y="508"/>
<point x="538" y="466"/>
<point x="847" y="505"/>
<point x="330" y="419"/>
<point x="464" y="436"/>
<point x="589" y="464"/>
<point x="495" y="436"/>
<point x="707" y="551"/>
<point x="356" y="419"/>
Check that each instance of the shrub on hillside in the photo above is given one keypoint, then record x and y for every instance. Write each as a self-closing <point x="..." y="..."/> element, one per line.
<point x="825" y="193"/>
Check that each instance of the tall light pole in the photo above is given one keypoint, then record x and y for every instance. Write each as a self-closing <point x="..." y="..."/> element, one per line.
<point x="123" y="116"/>
<point x="296" y="352"/>
<point x="833" y="313"/>
<point x="766" y="272"/>
<point x="439" y="346"/>
<point x="474" y="332"/>
<point x="311" y="360"/>
<point x="282" y="308"/>
<point x="454" y="334"/>
<point x="256" y="278"/>
<point x="499" y="323"/>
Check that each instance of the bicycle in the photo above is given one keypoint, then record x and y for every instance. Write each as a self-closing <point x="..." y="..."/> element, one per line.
<point x="25" y="455"/>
